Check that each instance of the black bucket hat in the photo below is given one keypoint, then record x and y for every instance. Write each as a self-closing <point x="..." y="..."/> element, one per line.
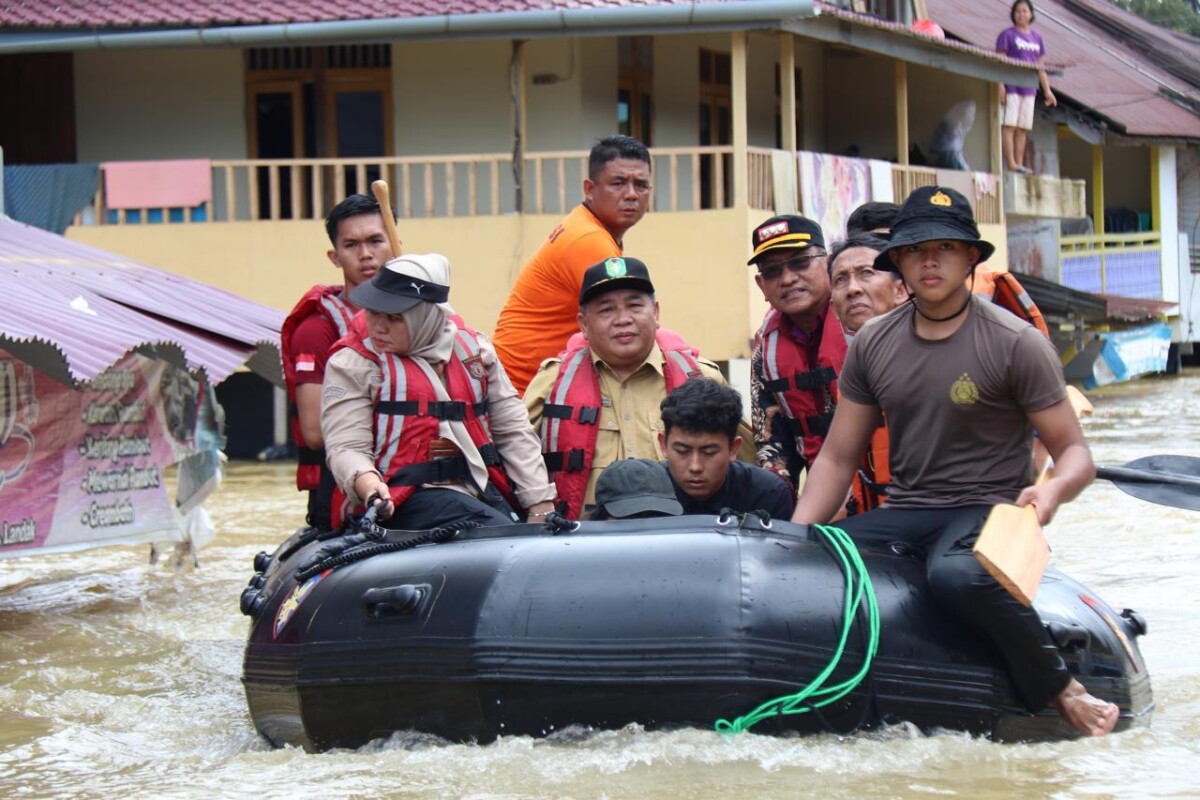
<point x="404" y="282"/>
<point x="932" y="213"/>
<point x="636" y="486"/>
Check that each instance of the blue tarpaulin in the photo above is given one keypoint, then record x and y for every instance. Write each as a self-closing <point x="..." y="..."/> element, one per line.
<point x="48" y="196"/>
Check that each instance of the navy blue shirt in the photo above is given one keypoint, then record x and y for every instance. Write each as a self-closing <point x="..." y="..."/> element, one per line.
<point x="747" y="488"/>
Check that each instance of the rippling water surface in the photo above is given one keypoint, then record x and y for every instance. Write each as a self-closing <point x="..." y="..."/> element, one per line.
<point x="122" y="679"/>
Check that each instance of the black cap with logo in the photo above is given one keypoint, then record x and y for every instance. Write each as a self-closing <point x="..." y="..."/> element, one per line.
<point x="614" y="273"/>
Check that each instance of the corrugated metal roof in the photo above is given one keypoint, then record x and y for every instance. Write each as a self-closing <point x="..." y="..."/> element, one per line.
<point x="73" y="310"/>
<point x="1107" y="74"/>
<point x="170" y="13"/>
<point x="989" y="53"/>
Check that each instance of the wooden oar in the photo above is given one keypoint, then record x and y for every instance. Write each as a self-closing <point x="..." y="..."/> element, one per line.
<point x="384" y="196"/>
<point x="1011" y="546"/>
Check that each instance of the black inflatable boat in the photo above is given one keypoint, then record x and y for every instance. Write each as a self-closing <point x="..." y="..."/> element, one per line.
<point x="667" y="622"/>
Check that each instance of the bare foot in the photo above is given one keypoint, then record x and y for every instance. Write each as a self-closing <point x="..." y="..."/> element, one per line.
<point x="1089" y="715"/>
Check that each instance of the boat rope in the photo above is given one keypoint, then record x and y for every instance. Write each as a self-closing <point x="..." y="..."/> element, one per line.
<point x="859" y="595"/>
<point x="394" y="542"/>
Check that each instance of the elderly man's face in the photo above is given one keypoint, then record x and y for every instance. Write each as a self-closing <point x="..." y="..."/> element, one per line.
<point x="619" y="327"/>
<point x="859" y="291"/>
<point x="795" y="282"/>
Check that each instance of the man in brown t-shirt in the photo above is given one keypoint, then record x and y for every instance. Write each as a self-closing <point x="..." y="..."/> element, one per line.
<point x="962" y="385"/>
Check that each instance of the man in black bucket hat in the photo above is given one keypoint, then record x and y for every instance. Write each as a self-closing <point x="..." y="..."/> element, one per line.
<point x="961" y="383"/>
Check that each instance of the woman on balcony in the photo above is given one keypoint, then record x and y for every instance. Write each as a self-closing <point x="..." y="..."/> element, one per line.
<point x="1021" y="43"/>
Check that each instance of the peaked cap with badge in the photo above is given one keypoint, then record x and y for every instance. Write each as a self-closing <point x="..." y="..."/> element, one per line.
<point x="787" y="231"/>
<point x="933" y="213"/>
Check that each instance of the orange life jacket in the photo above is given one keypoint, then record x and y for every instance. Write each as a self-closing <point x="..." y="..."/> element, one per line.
<point x="408" y="412"/>
<point x="806" y="392"/>
<point x="329" y="303"/>
<point x="1003" y="289"/>
<point x="571" y="412"/>
<point x="873" y="475"/>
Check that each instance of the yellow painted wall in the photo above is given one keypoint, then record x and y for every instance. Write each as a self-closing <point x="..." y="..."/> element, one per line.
<point x="698" y="261"/>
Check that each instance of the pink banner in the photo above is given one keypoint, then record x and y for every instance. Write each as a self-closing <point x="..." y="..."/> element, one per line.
<point x="830" y="188"/>
<point x="81" y="468"/>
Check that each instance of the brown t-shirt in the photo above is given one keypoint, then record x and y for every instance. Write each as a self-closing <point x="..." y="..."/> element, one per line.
<point x="956" y="408"/>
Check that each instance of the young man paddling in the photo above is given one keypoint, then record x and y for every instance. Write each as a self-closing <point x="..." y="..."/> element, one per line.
<point x="961" y="383"/>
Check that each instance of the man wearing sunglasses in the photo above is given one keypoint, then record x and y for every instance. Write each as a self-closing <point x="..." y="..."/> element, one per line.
<point x="798" y="351"/>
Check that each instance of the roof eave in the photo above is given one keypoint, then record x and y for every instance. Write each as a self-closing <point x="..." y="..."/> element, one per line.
<point x="686" y="18"/>
<point x="912" y="48"/>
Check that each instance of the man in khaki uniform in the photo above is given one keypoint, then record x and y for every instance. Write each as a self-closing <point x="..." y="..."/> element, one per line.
<point x="598" y="401"/>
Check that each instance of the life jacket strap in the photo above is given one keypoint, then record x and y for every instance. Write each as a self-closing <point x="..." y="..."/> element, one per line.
<point x="588" y="415"/>
<point x="815" y="425"/>
<point x="571" y="461"/>
<point x="449" y="410"/>
<point x="440" y="470"/>
<point x="308" y="457"/>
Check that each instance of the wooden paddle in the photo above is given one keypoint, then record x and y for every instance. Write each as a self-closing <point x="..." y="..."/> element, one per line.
<point x="1011" y="546"/>
<point x="384" y="196"/>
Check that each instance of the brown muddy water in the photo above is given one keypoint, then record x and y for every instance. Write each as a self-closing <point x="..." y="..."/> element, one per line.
<point x="121" y="679"/>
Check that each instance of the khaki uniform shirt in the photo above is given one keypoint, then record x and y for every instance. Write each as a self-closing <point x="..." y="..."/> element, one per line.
<point x="629" y="421"/>
<point x="348" y="424"/>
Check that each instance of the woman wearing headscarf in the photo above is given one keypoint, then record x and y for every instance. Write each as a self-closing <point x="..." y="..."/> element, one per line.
<point x="417" y="410"/>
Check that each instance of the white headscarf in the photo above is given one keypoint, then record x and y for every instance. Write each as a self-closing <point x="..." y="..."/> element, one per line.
<point x="431" y="342"/>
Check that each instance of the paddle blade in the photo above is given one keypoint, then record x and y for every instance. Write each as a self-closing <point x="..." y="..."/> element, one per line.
<point x="1013" y="550"/>
<point x="1165" y="480"/>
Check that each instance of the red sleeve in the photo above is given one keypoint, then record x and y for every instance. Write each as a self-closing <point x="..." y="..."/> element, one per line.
<point x="310" y="348"/>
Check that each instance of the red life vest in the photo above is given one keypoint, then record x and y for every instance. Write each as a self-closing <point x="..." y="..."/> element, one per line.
<point x="328" y="302"/>
<point x="408" y="412"/>
<point x="571" y="412"/>
<point x="806" y="392"/>
<point x="1003" y="289"/>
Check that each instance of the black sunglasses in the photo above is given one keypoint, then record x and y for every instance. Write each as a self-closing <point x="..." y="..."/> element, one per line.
<point x="797" y="265"/>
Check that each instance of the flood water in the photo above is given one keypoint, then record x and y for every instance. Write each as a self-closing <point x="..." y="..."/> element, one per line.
<point x="121" y="679"/>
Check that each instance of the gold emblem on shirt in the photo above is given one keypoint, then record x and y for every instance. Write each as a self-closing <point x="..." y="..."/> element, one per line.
<point x="963" y="391"/>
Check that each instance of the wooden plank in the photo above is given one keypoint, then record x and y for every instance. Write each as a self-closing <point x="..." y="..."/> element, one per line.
<point x="294" y="172"/>
<point x="230" y="194"/>
<point x="273" y="189"/>
<point x="451" y="172"/>
<point x="339" y="181"/>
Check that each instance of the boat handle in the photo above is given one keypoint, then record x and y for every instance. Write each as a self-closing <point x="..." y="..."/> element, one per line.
<point x="395" y="601"/>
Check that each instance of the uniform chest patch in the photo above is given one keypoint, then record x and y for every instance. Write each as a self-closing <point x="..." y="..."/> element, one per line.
<point x="963" y="391"/>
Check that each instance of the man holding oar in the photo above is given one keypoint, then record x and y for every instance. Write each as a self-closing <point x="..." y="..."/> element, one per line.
<point x="961" y="383"/>
<point x="360" y="247"/>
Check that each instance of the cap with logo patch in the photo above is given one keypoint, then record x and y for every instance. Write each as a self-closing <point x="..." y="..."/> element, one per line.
<point x="614" y="273"/>
<point x="785" y="231"/>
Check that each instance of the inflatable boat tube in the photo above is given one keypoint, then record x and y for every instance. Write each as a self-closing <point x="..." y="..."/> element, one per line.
<point x="669" y="622"/>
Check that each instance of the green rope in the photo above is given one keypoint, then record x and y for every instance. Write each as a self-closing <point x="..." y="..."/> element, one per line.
<point x="817" y="694"/>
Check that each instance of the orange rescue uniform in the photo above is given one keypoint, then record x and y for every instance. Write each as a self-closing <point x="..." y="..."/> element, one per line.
<point x="542" y="309"/>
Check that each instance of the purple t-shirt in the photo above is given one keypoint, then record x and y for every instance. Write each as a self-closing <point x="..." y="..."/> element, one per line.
<point x="1027" y="47"/>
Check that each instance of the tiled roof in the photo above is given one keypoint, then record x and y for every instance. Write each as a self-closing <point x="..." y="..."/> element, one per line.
<point x="1120" y="77"/>
<point x="195" y="13"/>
